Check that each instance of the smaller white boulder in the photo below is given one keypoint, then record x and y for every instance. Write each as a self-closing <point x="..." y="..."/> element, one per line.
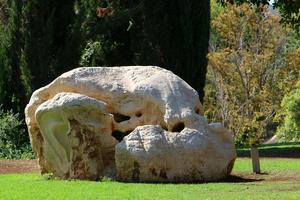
<point x="151" y="154"/>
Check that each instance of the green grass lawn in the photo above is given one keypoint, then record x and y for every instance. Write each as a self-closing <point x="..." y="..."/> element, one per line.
<point x="281" y="181"/>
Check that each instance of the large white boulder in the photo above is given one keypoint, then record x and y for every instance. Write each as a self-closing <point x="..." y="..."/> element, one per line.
<point x="78" y="122"/>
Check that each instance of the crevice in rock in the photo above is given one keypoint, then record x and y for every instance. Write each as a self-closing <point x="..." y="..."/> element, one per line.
<point x="136" y="172"/>
<point x="164" y="127"/>
<point x="153" y="171"/>
<point x="163" y="174"/>
<point x="120" y="117"/>
<point x="119" y="135"/>
<point x="178" y="127"/>
<point x="138" y="114"/>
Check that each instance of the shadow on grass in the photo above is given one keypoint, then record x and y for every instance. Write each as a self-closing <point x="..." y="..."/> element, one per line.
<point x="233" y="178"/>
<point x="238" y="179"/>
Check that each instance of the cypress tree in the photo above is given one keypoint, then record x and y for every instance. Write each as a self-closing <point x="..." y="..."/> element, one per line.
<point x="51" y="40"/>
<point x="178" y="32"/>
<point x="11" y="87"/>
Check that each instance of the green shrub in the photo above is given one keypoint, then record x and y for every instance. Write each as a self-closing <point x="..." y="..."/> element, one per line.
<point x="14" y="142"/>
<point x="290" y="130"/>
<point x="94" y="54"/>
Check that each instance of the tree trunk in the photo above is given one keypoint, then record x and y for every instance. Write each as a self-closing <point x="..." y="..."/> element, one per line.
<point x="255" y="159"/>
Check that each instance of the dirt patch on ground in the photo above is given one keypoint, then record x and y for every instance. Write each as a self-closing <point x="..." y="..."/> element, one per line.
<point x="18" y="166"/>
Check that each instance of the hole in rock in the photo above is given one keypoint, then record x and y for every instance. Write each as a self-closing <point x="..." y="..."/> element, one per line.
<point x="138" y="114"/>
<point x="136" y="171"/>
<point x="197" y="110"/>
<point x="164" y="127"/>
<point x="163" y="173"/>
<point x="153" y="171"/>
<point x="178" y="127"/>
<point x="120" y="135"/>
<point x="120" y="118"/>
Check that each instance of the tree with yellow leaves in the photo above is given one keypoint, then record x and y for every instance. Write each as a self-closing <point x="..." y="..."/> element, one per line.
<point x="248" y="70"/>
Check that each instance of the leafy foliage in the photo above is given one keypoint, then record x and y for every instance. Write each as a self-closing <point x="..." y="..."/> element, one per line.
<point x="14" y="142"/>
<point x="255" y="2"/>
<point x="4" y="11"/>
<point x="290" y="12"/>
<point x="95" y="53"/>
<point x="105" y="39"/>
<point x="290" y="130"/>
<point x="248" y="69"/>
<point x="289" y="9"/>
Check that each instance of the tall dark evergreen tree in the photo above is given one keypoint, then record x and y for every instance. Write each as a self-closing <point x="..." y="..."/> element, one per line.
<point x="178" y="32"/>
<point x="51" y="41"/>
<point x="12" y="88"/>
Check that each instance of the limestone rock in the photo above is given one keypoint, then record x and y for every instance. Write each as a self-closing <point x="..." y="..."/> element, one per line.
<point x="76" y="122"/>
<point x="77" y="135"/>
<point x="151" y="154"/>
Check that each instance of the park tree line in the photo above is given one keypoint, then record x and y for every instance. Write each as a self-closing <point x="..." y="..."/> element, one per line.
<point x="42" y="39"/>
